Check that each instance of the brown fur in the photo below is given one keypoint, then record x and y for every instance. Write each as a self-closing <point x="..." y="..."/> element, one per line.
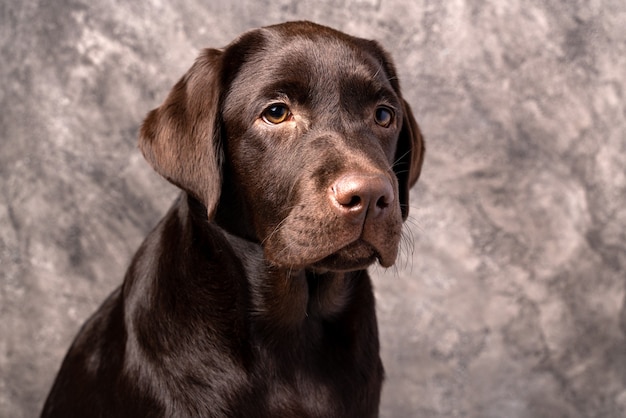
<point x="251" y="297"/>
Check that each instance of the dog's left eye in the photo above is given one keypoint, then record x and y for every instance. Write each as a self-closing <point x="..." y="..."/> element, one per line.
<point x="276" y="113"/>
<point x="383" y="116"/>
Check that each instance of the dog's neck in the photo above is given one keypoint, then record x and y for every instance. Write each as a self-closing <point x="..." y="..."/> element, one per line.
<point x="284" y="297"/>
<point x="290" y="296"/>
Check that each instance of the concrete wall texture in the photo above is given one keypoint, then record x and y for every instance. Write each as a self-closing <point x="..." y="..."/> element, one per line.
<point x="509" y="298"/>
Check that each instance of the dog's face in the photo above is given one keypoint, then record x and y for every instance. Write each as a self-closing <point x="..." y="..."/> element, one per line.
<point x="295" y="136"/>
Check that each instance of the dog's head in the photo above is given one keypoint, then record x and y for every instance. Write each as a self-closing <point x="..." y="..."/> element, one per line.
<point x="295" y="136"/>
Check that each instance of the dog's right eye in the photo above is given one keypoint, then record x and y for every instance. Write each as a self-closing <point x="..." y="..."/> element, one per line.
<point x="276" y="113"/>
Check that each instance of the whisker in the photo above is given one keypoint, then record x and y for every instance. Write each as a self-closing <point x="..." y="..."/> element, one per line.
<point x="397" y="161"/>
<point x="277" y="227"/>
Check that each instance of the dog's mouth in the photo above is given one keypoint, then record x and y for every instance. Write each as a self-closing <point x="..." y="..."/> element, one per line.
<point x="339" y="248"/>
<point x="357" y="255"/>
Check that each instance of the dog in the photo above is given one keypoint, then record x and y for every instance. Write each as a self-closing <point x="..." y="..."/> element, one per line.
<point x="295" y="153"/>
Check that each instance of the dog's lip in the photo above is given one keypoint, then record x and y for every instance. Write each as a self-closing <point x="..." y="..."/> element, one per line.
<point x="349" y="253"/>
<point x="357" y="255"/>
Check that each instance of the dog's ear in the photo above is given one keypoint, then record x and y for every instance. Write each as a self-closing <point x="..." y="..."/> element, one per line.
<point x="181" y="138"/>
<point x="409" y="157"/>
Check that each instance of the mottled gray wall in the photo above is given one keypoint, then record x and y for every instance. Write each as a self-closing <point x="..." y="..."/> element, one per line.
<point x="508" y="300"/>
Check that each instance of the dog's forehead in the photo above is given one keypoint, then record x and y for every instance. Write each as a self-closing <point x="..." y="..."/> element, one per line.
<point x="319" y="59"/>
<point x="304" y="66"/>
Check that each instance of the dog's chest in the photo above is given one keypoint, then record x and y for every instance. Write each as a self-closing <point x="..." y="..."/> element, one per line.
<point x="310" y="390"/>
<point x="306" y="399"/>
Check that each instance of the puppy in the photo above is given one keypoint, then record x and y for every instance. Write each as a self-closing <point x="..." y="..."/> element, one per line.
<point x="295" y="153"/>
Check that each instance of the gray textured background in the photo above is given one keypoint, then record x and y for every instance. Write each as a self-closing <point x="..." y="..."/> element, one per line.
<point x="509" y="301"/>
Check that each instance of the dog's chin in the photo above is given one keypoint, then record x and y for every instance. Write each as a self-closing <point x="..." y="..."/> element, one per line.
<point x="355" y="256"/>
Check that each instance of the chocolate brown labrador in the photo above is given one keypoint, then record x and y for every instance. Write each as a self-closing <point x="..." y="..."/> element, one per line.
<point x="295" y="153"/>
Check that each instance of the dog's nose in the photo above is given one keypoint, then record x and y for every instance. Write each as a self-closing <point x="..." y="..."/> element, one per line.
<point x="356" y="196"/>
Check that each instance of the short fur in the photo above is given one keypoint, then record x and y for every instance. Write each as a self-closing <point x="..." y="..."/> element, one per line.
<point x="251" y="297"/>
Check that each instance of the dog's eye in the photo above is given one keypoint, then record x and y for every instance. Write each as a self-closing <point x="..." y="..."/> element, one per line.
<point x="383" y="116"/>
<point x="276" y="113"/>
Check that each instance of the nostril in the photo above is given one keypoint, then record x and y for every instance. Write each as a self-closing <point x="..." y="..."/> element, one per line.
<point x="382" y="202"/>
<point x="354" y="201"/>
<point x="348" y="194"/>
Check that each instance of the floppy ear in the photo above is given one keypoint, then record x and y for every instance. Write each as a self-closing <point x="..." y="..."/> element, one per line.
<point x="181" y="138"/>
<point x="409" y="157"/>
